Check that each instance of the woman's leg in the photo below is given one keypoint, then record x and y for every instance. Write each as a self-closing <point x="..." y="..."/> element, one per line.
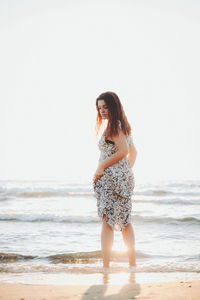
<point x="106" y="242"/>
<point x="129" y="239"/>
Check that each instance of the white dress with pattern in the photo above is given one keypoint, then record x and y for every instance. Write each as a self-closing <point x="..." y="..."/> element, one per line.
<point x="114" y="189"/>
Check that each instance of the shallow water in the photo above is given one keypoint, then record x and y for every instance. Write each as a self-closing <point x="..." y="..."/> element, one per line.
<point x="52" y="228"/>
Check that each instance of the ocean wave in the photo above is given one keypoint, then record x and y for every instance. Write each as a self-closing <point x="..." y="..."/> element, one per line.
<point x="48" y="218"/>
<point x="165" y="201"/>
<point x="168" y="220"/>
<point x="97" y="268"/>
<point x="47" y="194"/>
<point x="76" y="257"/>
<point x="181" y="200"/>
<point x="88" y="257"/>
<point x="136" y="218"/>
<point x="39" y="189"/>
<point x="89" y="193"/>
<point x="166" y="192"/>
<point x="55" y="194"/>
<point x="13" y="257"/>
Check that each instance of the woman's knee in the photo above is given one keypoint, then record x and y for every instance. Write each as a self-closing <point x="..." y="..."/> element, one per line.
<point x="127" y="228"/>
<point x="105" y="217"/>
<point x="105" y="224"/>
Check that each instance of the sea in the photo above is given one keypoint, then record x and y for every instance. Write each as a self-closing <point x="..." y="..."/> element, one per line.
<point x="50" y="233"/>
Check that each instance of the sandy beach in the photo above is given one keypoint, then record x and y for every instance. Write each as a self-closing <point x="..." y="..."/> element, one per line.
<point x="179" y="290"/>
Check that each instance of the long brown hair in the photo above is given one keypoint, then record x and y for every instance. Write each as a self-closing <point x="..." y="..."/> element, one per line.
<point x="116" y="114"/>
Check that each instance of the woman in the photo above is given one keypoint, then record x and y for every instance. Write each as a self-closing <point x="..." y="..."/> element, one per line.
<point x="113" y="181"/>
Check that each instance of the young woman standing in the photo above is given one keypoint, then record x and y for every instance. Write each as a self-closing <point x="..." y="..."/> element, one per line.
<point x="113" y="181"/>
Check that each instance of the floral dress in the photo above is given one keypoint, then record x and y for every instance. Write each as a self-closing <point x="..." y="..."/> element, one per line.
<point x="114" y="189"/>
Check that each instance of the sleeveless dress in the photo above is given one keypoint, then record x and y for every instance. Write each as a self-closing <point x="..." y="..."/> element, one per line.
<point x="114" y="189"/>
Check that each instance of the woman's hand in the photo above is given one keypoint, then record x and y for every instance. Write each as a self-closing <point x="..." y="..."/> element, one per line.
<point x="99" y="172"/>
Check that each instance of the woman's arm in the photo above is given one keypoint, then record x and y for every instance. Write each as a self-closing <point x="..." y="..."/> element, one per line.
<point x="132" y="154"/>
<point x="122" y="151"/>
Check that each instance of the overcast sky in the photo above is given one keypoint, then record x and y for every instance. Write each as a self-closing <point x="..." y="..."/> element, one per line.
<point x="56" y="57"/>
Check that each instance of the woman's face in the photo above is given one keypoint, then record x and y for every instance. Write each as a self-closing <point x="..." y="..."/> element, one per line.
<point x="103" y="109"/>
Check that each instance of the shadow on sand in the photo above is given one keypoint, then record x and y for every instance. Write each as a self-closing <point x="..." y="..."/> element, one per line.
<point x="130" y="290"/>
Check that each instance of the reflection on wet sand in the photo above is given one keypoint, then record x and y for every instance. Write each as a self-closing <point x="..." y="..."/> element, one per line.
<point x="106" y="278"/>
<point x="105" y="291"/>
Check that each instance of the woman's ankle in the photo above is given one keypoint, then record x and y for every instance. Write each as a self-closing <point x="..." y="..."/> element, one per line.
<point x="132" y="265"/>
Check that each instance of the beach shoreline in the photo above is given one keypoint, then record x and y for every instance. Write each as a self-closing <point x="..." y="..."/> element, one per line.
<point x="54" y="253"/>
<point x="179" y="290"/>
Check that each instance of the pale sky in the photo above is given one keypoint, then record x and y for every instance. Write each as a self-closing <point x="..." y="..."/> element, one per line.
<point x="56" y="57"/>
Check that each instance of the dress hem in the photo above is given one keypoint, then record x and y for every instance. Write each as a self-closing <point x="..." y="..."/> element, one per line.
<point x="115" y="224"/>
